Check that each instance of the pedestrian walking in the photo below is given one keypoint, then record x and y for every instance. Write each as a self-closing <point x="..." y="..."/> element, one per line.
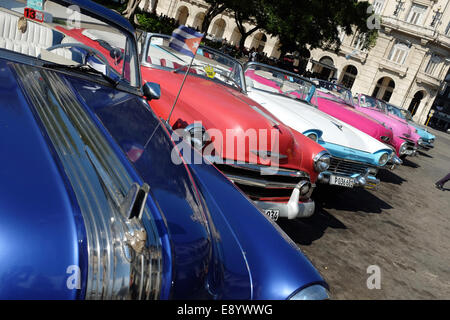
<point x="440" y="183"/>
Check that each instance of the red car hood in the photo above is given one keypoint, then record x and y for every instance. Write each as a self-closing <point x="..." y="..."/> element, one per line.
<point x="227" y="110"/>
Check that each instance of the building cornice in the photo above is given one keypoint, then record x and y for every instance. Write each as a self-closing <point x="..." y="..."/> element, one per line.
<point x="423" y="78"/>
<point x="425" y="34"/>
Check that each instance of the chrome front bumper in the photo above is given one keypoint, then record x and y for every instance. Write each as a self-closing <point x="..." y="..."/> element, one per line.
<point x="410" y="152"/>
<point x="291" y="210"/>
<point x="366" y="181"/>
<point x="394" y="162"/>
<point x="261" y="182"/>
<point x="424" y="145"/>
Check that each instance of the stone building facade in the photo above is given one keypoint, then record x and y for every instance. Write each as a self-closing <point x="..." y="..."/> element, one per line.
<point x="407" y="66"/>
<point x="409" y="62"/>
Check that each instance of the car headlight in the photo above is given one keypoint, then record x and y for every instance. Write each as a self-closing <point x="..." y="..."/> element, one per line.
<point x="403" y="148"/>
<point x="383" y="159"/>
<point x="315" y="292"/>
<point x="420" y="141"/>
<point x="313" y="137"/>
<point x="322" y="161"/>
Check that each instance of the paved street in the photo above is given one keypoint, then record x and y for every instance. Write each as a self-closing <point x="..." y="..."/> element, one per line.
<point x="404" y="228"/>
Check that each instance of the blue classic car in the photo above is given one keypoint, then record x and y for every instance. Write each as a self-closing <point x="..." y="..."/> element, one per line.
<point x="94" y="202"/>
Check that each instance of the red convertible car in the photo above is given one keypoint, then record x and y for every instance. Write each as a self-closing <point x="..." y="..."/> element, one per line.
<point x="273" y="165"/>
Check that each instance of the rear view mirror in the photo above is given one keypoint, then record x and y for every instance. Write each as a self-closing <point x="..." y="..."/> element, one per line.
<point x="152" y="91"/>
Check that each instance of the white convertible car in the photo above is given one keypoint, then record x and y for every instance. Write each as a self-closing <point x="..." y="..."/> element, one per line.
<point x="356" y="156"/>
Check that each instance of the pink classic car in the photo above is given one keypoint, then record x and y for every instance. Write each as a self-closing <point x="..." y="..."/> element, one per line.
<point x="337" y="101"/>
<point x="406" y="140"/>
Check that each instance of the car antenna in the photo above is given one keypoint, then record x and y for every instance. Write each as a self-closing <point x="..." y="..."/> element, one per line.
<point x="190" y="42"/>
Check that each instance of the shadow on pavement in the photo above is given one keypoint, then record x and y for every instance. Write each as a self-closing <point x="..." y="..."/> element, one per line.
<point x="409" y="163"/>
<point x="306" y="231"/>
<point x="424" y="154"/>
<point x="354" y="200"/>
<point x="388" y="176"/>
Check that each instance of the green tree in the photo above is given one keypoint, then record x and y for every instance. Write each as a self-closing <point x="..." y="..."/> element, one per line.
<point x="215" y="8"/>
<point x="299" y="24"/>
<point x="252" y="12"/>
<point x="316" y="23"/>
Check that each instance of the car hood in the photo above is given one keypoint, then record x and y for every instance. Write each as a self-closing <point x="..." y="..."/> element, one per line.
<point x="229" y="111"/>
<point x="422" y="131"/>
<point x="400" y="128"/>
<point x="41" y="229"/>
<point x="353" y="117"/>
<point x="303" y="117"/>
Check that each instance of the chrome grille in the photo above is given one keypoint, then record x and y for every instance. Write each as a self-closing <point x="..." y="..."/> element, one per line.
<point x="253" y="181"/>
<point x="346" y="167"/>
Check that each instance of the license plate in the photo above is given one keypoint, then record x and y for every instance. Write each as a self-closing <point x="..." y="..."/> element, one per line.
<point x="273" y="214"/>
<point x="341" y="181"/>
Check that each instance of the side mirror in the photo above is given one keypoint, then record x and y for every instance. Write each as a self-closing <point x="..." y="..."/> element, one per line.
<point x="115" y="53"/>
<point x="152" y="91"/>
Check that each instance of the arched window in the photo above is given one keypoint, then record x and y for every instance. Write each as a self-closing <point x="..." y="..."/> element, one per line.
<point x="182" y="14"/>
<point x="415" y="102"/>
<point x="384" y="89"/>
<point x="328" y="61"/>
<point x="326" y="70"/>
<point x="259" y="42"/>
<point x="235" y="36"/>
<point x="198" y="20"/>
<point x="348" y="77"/>
<point x="218" y="28"/>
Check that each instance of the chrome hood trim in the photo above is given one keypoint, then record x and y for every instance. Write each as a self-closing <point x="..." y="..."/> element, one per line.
<point x="116" y="269"/>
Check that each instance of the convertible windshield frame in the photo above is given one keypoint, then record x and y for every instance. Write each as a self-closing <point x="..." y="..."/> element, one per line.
<point x="86" y="11"/>
<point x="380" y="105"/>
<point x="311" y="93"/>
<point x="323" y="84"/>
<point x="146" y="42"/>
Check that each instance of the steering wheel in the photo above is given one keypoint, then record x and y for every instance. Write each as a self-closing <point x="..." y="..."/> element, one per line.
<point x="90" y="51"/>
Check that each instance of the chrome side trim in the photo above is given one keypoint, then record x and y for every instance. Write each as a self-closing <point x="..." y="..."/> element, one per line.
<point x="117" y="269"/>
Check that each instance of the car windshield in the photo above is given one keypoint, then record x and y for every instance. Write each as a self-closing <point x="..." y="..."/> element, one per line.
<point x="335" y="92"/>
<point x="371" y="102"/>
<point x="396" y="111"/>
<point x="63" y="35"/>
<point x="280" y="82"/>
<point x="406" y="114"/>
<point x="208" y="63"/>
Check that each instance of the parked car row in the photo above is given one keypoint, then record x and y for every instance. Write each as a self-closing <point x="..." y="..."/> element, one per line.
<point x="134" y="196"/>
